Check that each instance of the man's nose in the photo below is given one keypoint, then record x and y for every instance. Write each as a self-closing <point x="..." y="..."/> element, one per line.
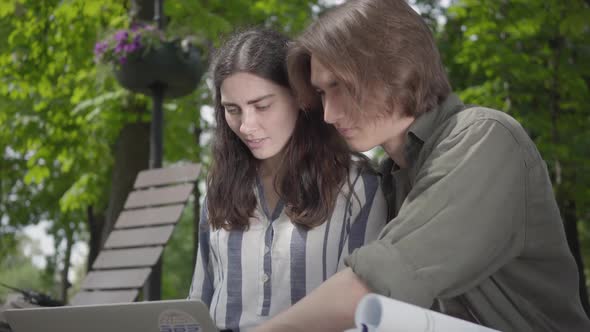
<point x="332" y="111"/>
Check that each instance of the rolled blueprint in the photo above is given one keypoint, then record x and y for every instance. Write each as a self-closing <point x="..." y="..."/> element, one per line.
<point x="379" y="313"/>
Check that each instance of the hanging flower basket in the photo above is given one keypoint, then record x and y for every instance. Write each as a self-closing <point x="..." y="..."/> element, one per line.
<point x="142" y="58"/>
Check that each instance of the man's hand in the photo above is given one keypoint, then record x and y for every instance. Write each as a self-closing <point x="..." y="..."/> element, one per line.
<point x="330" y="307"/>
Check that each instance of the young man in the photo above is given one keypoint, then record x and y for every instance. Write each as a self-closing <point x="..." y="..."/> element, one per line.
<point x="475" y="230"/>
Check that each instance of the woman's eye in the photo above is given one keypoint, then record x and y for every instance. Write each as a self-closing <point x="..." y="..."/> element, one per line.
<point x="232" y="110"/>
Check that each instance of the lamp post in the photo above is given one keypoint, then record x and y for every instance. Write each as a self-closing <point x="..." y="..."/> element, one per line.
<point x="165" y="72"/>
<point x="158" y="88"/>
<point x="152" y="290"/>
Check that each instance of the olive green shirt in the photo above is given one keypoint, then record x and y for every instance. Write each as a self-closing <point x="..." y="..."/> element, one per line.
<point x="475" y="230"/>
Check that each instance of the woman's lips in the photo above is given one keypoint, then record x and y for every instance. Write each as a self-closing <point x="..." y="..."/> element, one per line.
<point x="255" y="143"/>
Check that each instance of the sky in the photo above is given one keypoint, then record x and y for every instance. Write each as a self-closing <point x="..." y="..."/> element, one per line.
<point x="44" y="244"/>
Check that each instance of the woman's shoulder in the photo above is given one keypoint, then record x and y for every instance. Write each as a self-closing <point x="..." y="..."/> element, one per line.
<point x="363" y="177"/>
<point x="362" y="166"/>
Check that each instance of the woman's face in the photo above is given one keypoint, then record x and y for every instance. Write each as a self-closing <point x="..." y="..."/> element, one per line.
<point x="262" y="113"/>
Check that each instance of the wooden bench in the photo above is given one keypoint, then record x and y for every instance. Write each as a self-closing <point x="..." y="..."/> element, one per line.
<point x="139" y="236"/>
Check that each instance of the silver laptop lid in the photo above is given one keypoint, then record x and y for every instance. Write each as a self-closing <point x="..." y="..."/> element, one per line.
<point x="154" y="316"/>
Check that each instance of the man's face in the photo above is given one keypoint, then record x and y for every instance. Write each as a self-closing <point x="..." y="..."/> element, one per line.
<point x="364" y="131"/>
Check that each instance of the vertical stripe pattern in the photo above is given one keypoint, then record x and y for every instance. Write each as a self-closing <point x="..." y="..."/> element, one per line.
<point x="234" y="278"/>
<point x="298" y="273"/>
<point x="207" y="289"/>
<point x="267" y="271"/>
<point x="357" y="230"/>
<point x="248" y="276"/>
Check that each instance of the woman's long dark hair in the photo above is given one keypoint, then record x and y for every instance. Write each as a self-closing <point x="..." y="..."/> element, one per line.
<point x="315" y="161"/>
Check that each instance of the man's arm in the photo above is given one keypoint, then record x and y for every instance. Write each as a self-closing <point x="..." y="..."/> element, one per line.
<point x="462" y="221"/>
<point x="330" y="307"/>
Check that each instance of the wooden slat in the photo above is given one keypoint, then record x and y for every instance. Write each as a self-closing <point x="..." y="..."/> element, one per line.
<point x="116" y="279"/>
<point x="100" y="297"/>
<point x="159" y="196"/>
<point x="167" y="175"/>
<point x="137" y="237"/>
<point x="134" y="257"/>
<point x="150" y="216"/>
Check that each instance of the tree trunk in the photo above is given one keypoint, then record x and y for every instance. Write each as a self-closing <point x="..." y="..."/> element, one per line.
<point x="568" y="210"/>
<point x="566" y="206"/>
<point x="132" y="148"/>
<point x="95" y="225"/>
<point x="65" y="282"/>
<point x="131" y="156"/>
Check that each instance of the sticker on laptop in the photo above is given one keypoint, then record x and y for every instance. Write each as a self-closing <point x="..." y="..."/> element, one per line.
<point x="173" y="320"/>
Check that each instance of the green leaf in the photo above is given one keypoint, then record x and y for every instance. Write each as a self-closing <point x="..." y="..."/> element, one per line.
<point x="7" y="7"/>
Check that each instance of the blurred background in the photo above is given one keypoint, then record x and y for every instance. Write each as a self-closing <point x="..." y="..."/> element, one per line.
<point x="72" y="139"/>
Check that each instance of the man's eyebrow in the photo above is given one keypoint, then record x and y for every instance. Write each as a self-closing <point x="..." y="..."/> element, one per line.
<point x="330" y="84"/>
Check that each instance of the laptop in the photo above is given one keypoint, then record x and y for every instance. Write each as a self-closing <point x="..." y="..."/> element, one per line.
<point x="153" y="316"/>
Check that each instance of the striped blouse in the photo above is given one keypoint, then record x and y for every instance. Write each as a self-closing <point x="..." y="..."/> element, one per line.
<point x="246" y="277"/>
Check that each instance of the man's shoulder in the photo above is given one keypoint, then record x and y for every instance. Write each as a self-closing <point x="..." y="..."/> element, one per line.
<point x="477" y="119"/>
<point x="483" y="116"/>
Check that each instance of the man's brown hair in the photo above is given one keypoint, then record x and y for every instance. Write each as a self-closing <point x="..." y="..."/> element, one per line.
<point x="373" y="47"/>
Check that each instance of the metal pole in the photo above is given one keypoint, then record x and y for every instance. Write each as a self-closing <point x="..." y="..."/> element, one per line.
<point x="159" y="13"/>
<point x="152" y="290"/>
<point x="156" y="138"/>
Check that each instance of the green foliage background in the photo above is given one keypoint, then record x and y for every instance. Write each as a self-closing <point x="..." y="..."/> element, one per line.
<point x="60" y="114"/>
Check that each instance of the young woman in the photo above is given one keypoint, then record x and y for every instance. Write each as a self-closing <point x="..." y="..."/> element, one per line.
<point x="286" y="202"/>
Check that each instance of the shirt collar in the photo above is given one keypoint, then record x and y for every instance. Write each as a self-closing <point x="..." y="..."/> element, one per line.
<point x="426" y="123"/>
<point x="423" y="127"/>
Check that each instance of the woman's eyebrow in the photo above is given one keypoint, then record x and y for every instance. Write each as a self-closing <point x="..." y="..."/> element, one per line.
<point x="250" y="102"/>
<point x="254" y="101"/>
